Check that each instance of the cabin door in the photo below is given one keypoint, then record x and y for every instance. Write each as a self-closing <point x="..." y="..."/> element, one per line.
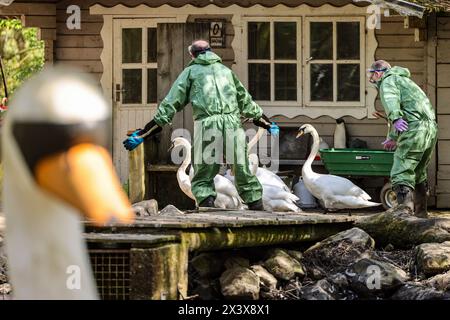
<point x="149" y="54"/>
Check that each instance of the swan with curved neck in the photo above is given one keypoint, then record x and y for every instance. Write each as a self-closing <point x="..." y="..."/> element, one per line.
<point x="227" y="196"/>
<point x="334" y="191"/>
<point x="56" y="168"/>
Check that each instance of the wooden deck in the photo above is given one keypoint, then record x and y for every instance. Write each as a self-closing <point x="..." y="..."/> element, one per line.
<point x="159" y="246"/>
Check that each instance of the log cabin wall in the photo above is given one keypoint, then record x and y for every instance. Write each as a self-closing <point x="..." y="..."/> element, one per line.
<point x="443" y="110"/>
<point x="396" y="44"/>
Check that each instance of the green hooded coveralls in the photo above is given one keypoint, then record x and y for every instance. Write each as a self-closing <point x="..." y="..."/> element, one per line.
<point x="402" y="98"/>
<point x="218" y="100"/>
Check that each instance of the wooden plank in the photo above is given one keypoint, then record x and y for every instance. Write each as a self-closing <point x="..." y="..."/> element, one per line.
<point x="48" y="22"/>
<point x="78" y="53"/>
<point x="88" y="28"/>
<point x="443" y="100"/>
<point x="62" y="15"/>
<point x="443" y="172"/>
<point x="395" y="54"/>
<point x="94" y="237"/>
<point x="91" y="66"/>
<point x="45" y="34"/>
<point x="394" y="28"/>
<point x="443" y="201"/>
<point x="35" y="9"/>
<point x="444" y="126"/>
<point x="444" y="152"/>
<point x="443" y="187"/>
<point x="79" y="41"/>
<point x="398" y="41"/>
<point x="443" y="51"/>
<point x="443" y="75"/>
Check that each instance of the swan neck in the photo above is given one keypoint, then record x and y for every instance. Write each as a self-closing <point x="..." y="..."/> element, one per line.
<point x="256" y="138"/>
<point x="314" y="150"/>
<point x="187" y="159"/>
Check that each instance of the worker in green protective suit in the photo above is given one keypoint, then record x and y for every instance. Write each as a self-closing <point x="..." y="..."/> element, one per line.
<point x="218" y="100"/>
<point x="413" y="135"/>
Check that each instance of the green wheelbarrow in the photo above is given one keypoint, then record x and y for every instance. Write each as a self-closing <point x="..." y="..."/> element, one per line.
<point x="360" y="163"/>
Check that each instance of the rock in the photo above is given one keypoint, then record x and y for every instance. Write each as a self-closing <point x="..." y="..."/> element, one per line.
<point x="389" y="247"/>
<point x="400" y="228"/>
<point x="5" y="289"/>
<point x="339" y="280"/>
<point x="240" y="283"/>
<point x="237" y="262"/>
<point x="411" y="291"/>
<point x="440" y="281"/>
<point x="433" y="258"/>
<point x="207" y="265"/>
<point x="339" y="250"/>
<point x="146" y="208"/>
<point x="283" y="266"/>
<point x="321" y="290"/>
<point x="268" y="281"/>
<point x="297" y="255"/>
<point x="170" y="210"/>
<point x="374" y="277"/>
<point x="207" y="289"/>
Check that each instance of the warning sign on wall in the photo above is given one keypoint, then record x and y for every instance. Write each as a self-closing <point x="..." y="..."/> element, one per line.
<point x="217" y="34"/>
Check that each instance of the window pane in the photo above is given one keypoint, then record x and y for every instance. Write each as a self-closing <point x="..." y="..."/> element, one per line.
<point x="285" y="40"/>
<point x="321" y="37"/>
<point x="348" y="82"/>
<point x="321" y="82"/>
<point x="152" y="49"/>
<point x="132" y="45"/>
<point x="132" y="85"/>
<point x="151" y="86"/>
<point x="259" y="80"/>
<point x="348" y="40"/>
<point x="286" y="82"/>
<point x="258" y="40"/>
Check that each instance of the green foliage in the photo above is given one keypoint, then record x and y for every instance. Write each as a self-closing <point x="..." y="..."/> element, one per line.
<point x="22" y="53"/>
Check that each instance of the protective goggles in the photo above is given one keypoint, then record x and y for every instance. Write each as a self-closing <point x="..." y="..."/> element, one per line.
<point x="370" y="71"/>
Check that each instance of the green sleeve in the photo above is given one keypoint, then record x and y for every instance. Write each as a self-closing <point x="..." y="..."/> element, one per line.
<point x="247" y="107"/>
<point x="392" y="134"/>
<point x="176" y="99"/>
<point x="390" y="98"/>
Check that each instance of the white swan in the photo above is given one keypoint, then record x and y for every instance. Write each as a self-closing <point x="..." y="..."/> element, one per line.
<point x="263" y="174"/>
<point x="335" y="192"/>
<point x="227" y="195"/>
<point x="56" y="169"/>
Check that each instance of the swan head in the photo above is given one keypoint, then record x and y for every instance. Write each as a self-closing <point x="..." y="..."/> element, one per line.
<point x="304" y="129"/>
<point x="180" y="141"/>
<point x="57" y="136"/>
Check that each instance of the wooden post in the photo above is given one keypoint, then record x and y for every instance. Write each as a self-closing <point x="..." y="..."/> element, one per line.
<point x="154" y="273"/>
<point x="136" y="176"/>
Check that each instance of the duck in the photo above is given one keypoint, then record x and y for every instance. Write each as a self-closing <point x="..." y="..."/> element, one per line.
<point x="58" y="173"/>
<point x="333" y="191"/>
<point x="227" y="196"/>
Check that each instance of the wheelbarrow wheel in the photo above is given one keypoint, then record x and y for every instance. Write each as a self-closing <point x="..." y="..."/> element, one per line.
<point x="388" y="197"/>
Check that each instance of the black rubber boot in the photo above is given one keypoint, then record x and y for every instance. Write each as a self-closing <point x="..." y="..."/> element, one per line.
<point x="257" y="205"/>
<point x="405" y="196"/>
<point x="421" y="200"/>
<point x="208" y="202"/>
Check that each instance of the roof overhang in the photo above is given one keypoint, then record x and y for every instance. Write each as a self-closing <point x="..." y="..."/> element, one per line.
<point x="404" y="8"/>
<point x="6" y="2"/>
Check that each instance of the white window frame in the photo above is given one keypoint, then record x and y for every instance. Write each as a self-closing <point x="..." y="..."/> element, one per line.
<point x="307" y="66"/>
<point x="142" y="24"/>
<point x="273" y="61"/>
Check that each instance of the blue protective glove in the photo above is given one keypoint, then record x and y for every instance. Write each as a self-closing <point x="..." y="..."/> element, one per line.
<point x="400" y="125"/>
<point x="133" y="141"/>
<point x="274" y="129"/>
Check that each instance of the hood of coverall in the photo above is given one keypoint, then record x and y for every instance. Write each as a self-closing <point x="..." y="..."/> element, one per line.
<point x="208" y="57"/>
<point x="399" y="71"/>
